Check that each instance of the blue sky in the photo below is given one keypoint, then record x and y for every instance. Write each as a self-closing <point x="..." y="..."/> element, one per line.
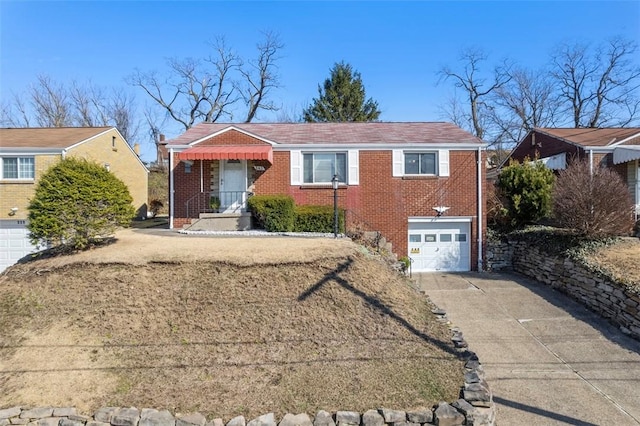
<point x="397" y="47"/>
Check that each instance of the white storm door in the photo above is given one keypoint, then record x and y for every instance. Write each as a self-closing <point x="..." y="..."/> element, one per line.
<point x="233" y="185"/>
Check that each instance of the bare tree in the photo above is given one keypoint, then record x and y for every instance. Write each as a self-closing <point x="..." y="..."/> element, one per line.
<point x="475" y="85"/>
<point x="525" y="102"/>
<point x="52" y="104"/>
<point x="598" y="88"/>
<point x="260" y="76"/>
<point x="197" y="90"/>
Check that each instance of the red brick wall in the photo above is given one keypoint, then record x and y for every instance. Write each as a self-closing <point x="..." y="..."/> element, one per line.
<point x="232" y="137"/>
<point x="385" y="203"/>
<point x="187" y="185"/>
<point x="381" y="202"/>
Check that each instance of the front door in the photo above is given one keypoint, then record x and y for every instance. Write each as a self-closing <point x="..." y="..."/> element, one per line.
<point x="233" y="185"/>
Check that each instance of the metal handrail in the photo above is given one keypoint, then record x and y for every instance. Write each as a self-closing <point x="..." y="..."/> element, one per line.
<point x="215" y="201"/>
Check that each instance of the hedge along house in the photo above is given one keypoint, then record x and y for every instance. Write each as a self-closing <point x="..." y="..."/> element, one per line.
<point x="419" y="184"/>
<point x="615" y="148"/>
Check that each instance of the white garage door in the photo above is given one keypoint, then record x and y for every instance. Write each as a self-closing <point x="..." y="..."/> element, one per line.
<point x="14" y="242"/>
<point x="439" y="245"/>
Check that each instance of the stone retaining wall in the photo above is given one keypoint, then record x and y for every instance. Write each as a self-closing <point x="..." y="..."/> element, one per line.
<point x="611" y="299"/>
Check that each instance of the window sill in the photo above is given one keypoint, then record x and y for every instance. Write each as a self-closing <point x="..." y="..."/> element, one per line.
<point x="419" y="177"/>
<point x="321" y="186"/>
<point x="17" y="181"/>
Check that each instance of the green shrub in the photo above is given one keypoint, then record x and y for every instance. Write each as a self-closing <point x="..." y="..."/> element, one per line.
<point x="274" y="213"/>
<point x="77" y="203"/>
<point x="525" y="190"/>
<point x="317" y="219"/>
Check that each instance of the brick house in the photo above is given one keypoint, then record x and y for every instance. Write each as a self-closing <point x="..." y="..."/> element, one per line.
<point x="26" y="153"/>
<point x="419" y="184"/>
<point x="616" y="148"/>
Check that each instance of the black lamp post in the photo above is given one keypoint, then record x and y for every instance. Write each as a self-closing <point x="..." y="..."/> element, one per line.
<point x="334" y="184"/>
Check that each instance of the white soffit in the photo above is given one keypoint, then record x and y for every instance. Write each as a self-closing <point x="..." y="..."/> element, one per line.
<point x="624" y="154"/>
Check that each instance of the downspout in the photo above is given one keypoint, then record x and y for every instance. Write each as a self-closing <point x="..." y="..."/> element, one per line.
<point x="201" y="177"/>
<point x="171" y="210"/>
<point x="480" y="209"/>
<point x="591" y="162"/>
<point x="64" y="154"/>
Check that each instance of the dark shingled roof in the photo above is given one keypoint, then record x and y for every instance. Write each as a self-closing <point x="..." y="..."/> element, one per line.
<point x="337" y="133"/>
<point x="47" y="137"/>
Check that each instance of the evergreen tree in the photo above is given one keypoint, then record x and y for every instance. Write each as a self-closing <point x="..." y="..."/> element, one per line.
<point x="342" y="99"/>
<point x="77" y="203"/>
<point x="525" y="190"/>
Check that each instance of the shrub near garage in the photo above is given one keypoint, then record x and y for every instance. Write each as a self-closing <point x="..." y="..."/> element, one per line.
<point x="77" y="203"/>
<point x="525" y="191"/>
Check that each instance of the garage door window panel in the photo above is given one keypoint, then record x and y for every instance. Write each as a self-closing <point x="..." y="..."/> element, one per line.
<point x="21" y="168"/>
<point x="461" y="238"/>
<point x="445" y="238"/>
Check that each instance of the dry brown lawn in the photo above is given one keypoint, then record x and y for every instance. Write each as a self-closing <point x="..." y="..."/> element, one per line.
<point x="222" y="326"/>
<point x="622" y="259"/>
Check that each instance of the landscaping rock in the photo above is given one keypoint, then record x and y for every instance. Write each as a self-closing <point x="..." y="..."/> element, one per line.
<point x="372" y="418"/>
<point x="103" y="415"/>
<point x="195" y="419"/>
<point x="49" y="421"/>
<point x="216" y="422"/>
<point x="347" y="418"/>
<point x="94" y="423"/>
<point x="475" y="392"/>
<point x="9" y="412"/>
<point x="80" y="418"/>
<point x="68" y="422"/>
<point x="126" y="417"/>
<point x="420" y="416"/>
<point x="18" y="421"/>
<point x="323" y="418"/>
<point x="37" y="413"/>
<point x="446" y="415"/>
<point x="237" y="421"/>
<point x="297" y="420"/>
<point x="393" y="416"/>
<point x="156" y="418"/>
<point x="64" y="412"/>
<point x="263" y="420"/>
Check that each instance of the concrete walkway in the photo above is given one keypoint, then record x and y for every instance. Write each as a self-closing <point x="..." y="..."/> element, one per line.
<point x="547" y="359"/>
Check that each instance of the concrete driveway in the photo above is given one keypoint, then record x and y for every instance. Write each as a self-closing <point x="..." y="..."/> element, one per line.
<point x="548" y="360"/>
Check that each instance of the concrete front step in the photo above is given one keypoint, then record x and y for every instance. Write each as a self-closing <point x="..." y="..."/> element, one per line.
<point x="221" y="222"/>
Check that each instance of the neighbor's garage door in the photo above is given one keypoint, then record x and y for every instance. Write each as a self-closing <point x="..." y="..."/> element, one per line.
<point x="438" y="245"/>
<point x="14" y="242"/>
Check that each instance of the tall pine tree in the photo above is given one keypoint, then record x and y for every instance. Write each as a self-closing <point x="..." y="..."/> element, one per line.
<point x="342" y="99"/>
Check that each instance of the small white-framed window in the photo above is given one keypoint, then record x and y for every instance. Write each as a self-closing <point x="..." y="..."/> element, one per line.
<point x="19" y="168"/>
<point x="320" y="167"/>
<point x="420" y="163"/>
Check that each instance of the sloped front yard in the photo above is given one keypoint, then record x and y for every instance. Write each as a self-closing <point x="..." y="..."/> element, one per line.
<point x="222" y="326"/>
<point x="621" y="259"/>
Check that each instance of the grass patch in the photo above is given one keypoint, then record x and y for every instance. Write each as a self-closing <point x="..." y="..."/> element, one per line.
<point x="225" y="340"/>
